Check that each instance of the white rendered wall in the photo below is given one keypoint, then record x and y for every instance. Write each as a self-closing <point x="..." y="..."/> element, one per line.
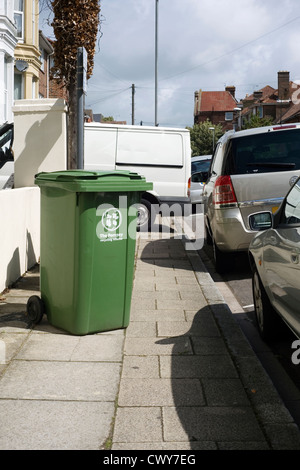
<point x="40" y="138"/>
<point x="19" y="234"/>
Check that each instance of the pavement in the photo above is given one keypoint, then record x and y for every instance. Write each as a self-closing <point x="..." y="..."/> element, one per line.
<point x="181" y="377"/>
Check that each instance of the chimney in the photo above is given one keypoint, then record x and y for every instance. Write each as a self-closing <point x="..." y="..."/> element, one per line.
<point x="197" y="102"/>
<point x="231" y="90"/>
<point x="283" y="85"/>
<point x="257" y="95"/>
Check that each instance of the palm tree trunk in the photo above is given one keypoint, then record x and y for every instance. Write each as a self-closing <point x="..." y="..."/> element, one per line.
<point x="72" y="128"/>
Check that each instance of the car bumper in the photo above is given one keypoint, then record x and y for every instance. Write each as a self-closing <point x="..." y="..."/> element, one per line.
<point x="229" y="231"/>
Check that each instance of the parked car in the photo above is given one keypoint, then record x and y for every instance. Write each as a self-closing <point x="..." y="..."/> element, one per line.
<point x="200" y="163"/>
<point x="250" y="172"/>
<point x="274" y="255"/>
<point x="6" y="156"/>
<point x="199" y="170"/>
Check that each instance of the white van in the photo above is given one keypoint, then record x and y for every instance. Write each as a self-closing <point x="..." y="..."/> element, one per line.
<point x="162" y="155"/>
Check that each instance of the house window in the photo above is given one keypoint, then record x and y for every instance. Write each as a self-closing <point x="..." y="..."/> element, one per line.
<point x="19" y="18"/>
<point x="260" y="112"/>
<point x="51" y="64"/>
<point x="18" y="86"/>
<point x="229" y="116"/>
<point x="42" y="59"/>
<point x="33" y="88"/>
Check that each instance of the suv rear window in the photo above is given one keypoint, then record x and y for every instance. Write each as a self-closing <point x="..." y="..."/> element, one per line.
<point x="262" y="153"/>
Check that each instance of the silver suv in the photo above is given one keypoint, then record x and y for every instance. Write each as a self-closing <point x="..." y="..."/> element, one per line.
<point x="251" y="171"/>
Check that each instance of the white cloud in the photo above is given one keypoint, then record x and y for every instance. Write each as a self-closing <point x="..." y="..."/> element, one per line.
<point x="201" y="44"/>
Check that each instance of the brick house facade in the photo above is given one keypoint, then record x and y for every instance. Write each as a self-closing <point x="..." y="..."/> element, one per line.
<point x="49" y="87"/>
<point x="219" y="107"/>
<point x="281" y="104"/>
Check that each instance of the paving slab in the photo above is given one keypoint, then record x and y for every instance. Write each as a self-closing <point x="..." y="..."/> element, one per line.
<point x="181" y="377"/>
<point x="54" y="425"/>
<point x="50" y="380"/>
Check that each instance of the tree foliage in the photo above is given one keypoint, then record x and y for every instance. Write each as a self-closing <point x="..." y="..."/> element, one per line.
<point x="75" y="24"/>
<point x="203" y="139"/>
<point x="107" y="119"/>
<point x="256" y="121"/>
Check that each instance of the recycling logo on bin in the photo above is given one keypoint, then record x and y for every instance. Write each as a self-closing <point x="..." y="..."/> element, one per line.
<point x="108" y="228"/>
<point x="112" y="219"/>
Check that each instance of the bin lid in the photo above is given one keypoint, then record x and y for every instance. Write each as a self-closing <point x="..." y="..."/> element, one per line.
<point x="94" y="181"/>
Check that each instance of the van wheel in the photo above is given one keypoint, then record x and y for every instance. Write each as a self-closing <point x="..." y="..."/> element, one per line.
<point x="144" y="216"/>
<point x="268" y="321"/>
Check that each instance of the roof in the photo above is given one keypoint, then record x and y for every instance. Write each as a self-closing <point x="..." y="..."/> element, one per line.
<point x="293" y="112"/>
<point x="270" y="95"/>
<point x="216" y="101"/>
<point x="45" y="43"/>
<point x="267" y="91"/>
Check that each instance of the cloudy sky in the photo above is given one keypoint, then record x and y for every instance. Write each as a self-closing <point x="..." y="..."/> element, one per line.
<point x="202" y="44"/>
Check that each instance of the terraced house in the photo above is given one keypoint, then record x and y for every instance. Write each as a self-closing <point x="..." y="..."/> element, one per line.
<point x="219" y="107"/>
<point x="282" y="105"/>
<point x="8" y="42"/>
<point x="19" y="53"/>
<point x="27" y="53"/>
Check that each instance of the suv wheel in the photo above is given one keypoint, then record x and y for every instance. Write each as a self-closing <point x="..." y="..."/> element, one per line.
<point x="207" y="235"/>
<point x="220" y="258"/>
<point x="267" y="319"/>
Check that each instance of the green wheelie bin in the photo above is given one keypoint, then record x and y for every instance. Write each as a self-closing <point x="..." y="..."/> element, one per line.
<point x="88" y="237"/>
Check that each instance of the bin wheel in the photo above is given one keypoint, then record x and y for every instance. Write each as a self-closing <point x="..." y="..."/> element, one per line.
<point x="35" y="309"/>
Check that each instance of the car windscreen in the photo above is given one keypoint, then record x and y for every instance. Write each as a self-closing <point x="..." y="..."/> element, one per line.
<point x="262" y="153"/>
<point x="201" y="165"/>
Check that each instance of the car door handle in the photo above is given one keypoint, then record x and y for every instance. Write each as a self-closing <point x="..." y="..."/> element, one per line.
<point x="295" y="257"/>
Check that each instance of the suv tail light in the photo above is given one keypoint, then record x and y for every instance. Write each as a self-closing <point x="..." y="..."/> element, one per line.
<point x="279" y="128"/>
<point x="189" y="187"/>
<point x="223" y="191"/>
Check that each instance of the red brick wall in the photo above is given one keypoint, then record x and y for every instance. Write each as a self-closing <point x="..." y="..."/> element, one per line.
<point x="57" y="90"/>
